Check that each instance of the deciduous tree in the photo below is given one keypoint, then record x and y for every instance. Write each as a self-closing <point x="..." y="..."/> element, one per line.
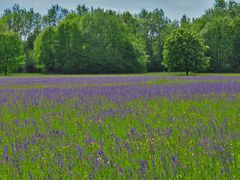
<point x="184" y="51"/>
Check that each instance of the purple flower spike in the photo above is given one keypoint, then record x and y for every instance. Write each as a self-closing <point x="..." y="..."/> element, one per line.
<point x="80" y="151"/>
<point x="25" y="146"/>
<point x="4" y="154"/>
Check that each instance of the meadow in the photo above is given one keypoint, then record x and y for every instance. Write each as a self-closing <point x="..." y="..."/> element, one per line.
<point x="152" y="126"/>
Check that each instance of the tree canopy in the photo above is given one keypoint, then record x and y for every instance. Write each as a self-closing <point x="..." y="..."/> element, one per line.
<point x="92" y="43"/>
<point x="95" y="40"/>
<point x="11" y="52"/>
<point x="185" y="51"/>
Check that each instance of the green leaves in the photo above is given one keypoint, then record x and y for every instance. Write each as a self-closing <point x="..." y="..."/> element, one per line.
<point x="45" y="49"/>
<point x="88" y="40"/>
<point x="21" y="21"/>
<point x="11" y="52"/>
<point x="184" y="51"/>
<point x="217" y="34"/>
<point x="153" y="26"/>
<point x="235" y="47"/>
<point x="97" y="42"/>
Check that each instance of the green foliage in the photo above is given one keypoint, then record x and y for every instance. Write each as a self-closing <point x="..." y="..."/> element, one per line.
<point x="184" y="51"/>
<point x="44" y="50"/>
<point x="217" y="34"/>
<point x="91" y="43"/>
<point x="3" y="25"/>
<point x="235" y="60"/>
<point x="26" y="23"/>
<point x="217" y="28"/>
<point x="88" y="40"/>
<point x="152" y="27"/>
<point x="55" y="14"/>
<point x="185" y="22"/>
<point x="220" y="4"/>
<point x="82" y="9"/>
<point x="30" y="63"/>
<point x="11" y="52"/>
<point x="68" y="48"/>
<point x="109" y="46"/>
<point x="22" y="21"/>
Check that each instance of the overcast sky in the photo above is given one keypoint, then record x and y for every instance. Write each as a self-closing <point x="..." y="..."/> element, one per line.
<point x="174" y="9"/>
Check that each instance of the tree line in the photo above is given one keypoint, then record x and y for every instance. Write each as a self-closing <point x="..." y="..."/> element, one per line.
<point x="95" y="40"/>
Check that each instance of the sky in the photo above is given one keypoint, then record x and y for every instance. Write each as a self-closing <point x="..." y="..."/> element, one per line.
<point x="174" y="9"/>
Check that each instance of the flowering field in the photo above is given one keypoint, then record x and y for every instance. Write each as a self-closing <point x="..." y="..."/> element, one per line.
<point x="120" y="127"/>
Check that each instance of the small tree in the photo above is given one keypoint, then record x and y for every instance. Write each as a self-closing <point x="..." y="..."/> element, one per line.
<point x="11" y="52"/>
<point x="184" y="51"/>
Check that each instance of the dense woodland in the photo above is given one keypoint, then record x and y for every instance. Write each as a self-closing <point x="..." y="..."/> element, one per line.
<point x="94" y="40"/>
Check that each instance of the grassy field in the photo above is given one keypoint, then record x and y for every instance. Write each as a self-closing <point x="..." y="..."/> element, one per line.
<point x="146" y="74"/>
<point x="152" y="126"/>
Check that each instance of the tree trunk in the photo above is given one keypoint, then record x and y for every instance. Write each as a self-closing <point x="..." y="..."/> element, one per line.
<point x="187" y="71"/>
<point x="6" y="69"/>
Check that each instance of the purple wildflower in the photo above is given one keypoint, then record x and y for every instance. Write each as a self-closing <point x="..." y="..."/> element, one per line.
<point x="4" y="153"/>
<point x="25" y="146"/>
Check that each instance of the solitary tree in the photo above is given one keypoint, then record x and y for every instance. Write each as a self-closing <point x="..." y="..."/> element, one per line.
<point x="11" y="52"/>
<point x="184" y="51"/>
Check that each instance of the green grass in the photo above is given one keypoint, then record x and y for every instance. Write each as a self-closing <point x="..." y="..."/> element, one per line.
<point x="163" y="74"/>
